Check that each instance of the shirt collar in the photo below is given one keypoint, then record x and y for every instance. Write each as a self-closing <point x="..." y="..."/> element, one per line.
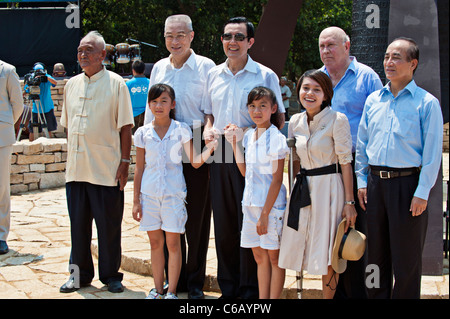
<point x="250" y="66"/>
<point x="321" y="114"/>
<point x="411" y="87"/>
<point x="262" y="139"/>
<point x="190" y="62"/>
<point x="351" y="66"/>
<point x="168" y="133"/>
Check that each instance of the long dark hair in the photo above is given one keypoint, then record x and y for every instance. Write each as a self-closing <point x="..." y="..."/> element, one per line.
<point x="324" y="82"/>
<point x="158" y="89"/>
<point x="260" y="92"/>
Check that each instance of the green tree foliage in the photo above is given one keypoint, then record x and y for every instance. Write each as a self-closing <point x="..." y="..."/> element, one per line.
<point x="143" y="20"/>
<point x="315" y="16"/>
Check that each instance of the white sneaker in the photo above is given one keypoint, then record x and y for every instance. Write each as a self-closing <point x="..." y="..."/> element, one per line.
<point x="153" y="294"/>
<point x="170" y="295"/>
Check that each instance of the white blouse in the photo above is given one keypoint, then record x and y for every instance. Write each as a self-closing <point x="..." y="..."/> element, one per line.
<point x="163" y="173"/>
<point x="259" y="156"/>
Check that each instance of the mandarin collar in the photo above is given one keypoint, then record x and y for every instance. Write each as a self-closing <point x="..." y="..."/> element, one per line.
<point x="96" y="76"/>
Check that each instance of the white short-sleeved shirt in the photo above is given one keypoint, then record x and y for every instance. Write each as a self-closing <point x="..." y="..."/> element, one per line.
<point x="259" y="155"/>
<point x="188" y="83"/>
<point x="163" y="173"/>
<point x="226" y="93"/>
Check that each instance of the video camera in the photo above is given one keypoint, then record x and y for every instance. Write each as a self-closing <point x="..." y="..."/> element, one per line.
<point x="34" y="78"/>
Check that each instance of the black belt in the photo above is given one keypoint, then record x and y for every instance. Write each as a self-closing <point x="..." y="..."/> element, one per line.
<point x="389" y="172"/>
<point x="300" y="193"/>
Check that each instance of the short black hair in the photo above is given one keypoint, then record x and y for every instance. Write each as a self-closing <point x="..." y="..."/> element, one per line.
<point x="138" y="66"/>
<point x="323" y="80"/>
<point x="238" y="20"/>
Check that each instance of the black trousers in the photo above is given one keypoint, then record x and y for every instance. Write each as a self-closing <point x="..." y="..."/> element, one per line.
<point x="351" y="284"/>
<point x="236" y="266"/>
<point x="87" y="202"/>
<point x="198" y="206"/>
<point x="395" y="238"/>
<point x="198" y="224"/>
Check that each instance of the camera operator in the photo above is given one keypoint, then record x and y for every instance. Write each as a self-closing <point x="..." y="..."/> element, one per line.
<point x="43" y="105"/>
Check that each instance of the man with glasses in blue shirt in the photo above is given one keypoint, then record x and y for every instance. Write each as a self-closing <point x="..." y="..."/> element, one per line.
<point x="398" y="156"/>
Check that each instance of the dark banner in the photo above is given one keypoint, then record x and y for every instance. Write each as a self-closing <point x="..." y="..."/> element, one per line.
<point x="47" y="35"/>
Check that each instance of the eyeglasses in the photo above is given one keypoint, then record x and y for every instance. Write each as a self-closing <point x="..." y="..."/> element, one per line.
<point x="237" y="37"/>
<point x="179" y="37"/>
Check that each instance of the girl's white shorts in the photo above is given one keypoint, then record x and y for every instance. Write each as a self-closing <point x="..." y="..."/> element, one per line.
<point x="249" y="236"/>
<point x="166" y="212"/>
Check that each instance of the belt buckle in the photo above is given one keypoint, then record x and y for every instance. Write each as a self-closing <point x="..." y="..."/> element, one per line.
<point x="385" y="174"/>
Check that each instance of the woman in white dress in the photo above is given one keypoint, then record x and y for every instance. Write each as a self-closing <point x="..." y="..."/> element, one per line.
<point x="323" y="155"/>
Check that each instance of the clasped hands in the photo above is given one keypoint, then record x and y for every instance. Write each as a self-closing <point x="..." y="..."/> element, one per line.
<point x="232" y="133"/>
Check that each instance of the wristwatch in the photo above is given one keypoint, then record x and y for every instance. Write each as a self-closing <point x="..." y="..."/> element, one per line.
<point x="350" y="202"/>
<point x="125" y="160"/>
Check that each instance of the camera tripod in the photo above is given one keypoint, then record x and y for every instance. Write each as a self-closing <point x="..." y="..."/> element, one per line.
<point x="42" y="121"/>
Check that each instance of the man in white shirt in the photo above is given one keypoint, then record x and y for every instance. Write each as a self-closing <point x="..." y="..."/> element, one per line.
<point x="225" y="102"/>
<point x="186" y="73"/>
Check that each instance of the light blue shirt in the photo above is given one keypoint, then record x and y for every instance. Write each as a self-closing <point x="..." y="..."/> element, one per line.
<point x="403" y="131"/>
<point x="45" y="97"/>
<point x="138" y="87"/>
<point x="350" y="94"/>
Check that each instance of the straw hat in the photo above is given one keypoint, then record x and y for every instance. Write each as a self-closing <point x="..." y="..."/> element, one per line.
<point x="348" y="245"/>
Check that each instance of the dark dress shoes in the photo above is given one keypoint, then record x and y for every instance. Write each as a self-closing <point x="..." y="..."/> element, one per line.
<point x="115" y="287"/>
<point x="70" y="286"/>
<point x="3" y="247"/>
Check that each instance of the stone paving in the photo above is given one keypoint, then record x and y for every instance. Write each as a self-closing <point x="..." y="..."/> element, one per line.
<point x="39" y="240"/>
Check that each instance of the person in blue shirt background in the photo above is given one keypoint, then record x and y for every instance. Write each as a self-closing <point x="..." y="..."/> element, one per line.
<point x="138" y="87"/>
<point x="45" y="105"/>
<point x="398" y="157"/>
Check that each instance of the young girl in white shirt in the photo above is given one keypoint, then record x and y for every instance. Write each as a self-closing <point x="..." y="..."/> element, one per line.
<point x="264" y="198"/>
<point x="159" y="185"/>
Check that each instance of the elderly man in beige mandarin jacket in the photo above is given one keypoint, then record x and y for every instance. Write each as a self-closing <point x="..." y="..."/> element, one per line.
<point x="11" y="107"/>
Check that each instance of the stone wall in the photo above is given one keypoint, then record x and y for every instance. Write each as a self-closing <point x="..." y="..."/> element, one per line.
<point x="41" y="164"/>
<point x="38" y="164"/>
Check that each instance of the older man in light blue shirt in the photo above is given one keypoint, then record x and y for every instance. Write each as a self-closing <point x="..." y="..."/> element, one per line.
<point x="398" y="156"/>
<point x="352" y="82"/>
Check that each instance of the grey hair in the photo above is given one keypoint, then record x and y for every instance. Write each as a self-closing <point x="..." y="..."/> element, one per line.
<point x="180" y="18"/>
<point x="97" y="37"/>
